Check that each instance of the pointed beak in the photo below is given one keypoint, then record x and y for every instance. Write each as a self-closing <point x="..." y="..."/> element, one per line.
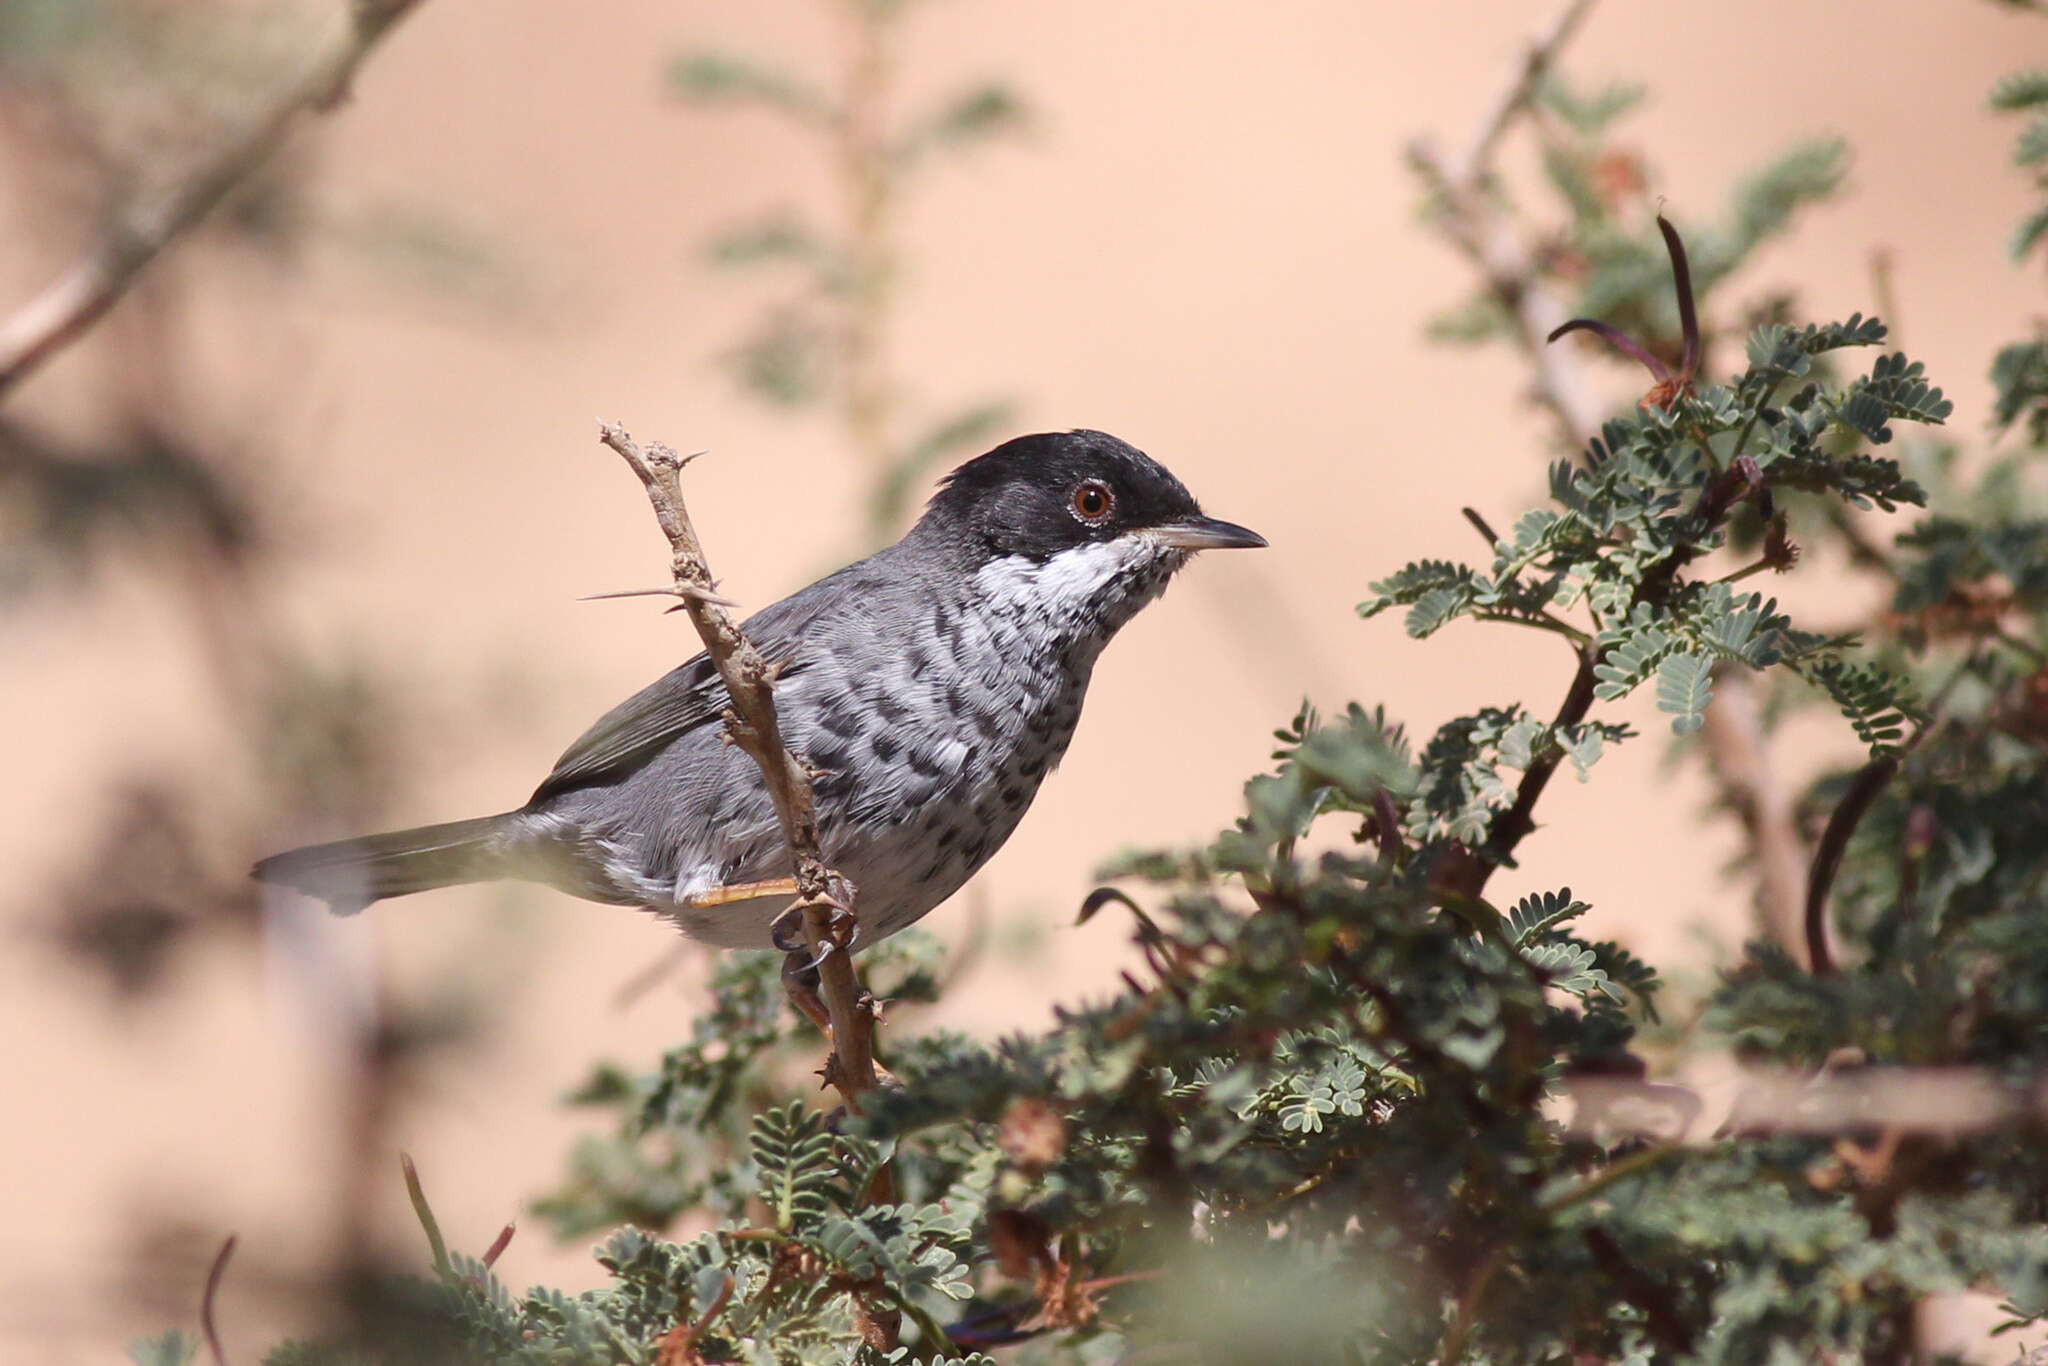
<point x="1206" y="533"/>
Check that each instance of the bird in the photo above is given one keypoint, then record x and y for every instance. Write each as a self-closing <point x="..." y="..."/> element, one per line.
<point x="929" y="688"/>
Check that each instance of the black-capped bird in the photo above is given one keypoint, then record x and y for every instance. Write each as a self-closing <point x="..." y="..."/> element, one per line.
<point x="931" y="687"/>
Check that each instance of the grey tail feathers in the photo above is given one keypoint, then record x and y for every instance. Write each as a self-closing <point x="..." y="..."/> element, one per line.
<point x="350" y="874"/>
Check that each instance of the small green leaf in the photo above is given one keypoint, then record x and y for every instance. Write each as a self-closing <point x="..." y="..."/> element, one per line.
<point x="2020" y="90"/>
<point x="721" y="76"/>
<point x="172" y="1349"/>
<point x="1684" y="687"/>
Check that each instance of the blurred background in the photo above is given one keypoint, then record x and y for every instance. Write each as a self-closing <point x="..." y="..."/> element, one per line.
<point x="291" y="543"/>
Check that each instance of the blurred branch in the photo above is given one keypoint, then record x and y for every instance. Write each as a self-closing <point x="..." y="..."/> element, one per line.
<point x="825" y="897"/>
<point x="1739" y="759"/>
<point x="82" y="294"/>
<point x="1941" y="1102"/>
<point x="1514" y="98"/>
<point x="1473" y="219"/>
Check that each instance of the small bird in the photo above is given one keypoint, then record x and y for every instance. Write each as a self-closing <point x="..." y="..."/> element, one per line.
<point x="930" y="688"/>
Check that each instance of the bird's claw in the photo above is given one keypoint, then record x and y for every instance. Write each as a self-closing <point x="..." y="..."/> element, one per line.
<point x="787" y="929"/>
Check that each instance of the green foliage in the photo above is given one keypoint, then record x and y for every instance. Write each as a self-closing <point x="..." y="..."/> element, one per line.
<point x="1684" y="687"/>
<point x="2020" y="375"/>
<point x="2026" y="92"/>
<point x="1877" y="702"/>
<point x="723" y="76"/>
<point x="1346" y="1108"/>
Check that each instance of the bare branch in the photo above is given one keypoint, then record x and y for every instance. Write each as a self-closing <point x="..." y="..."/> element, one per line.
<point x="1514" y="97"/>
<point x="825" y="898"/>
<point x="1940" y="1102"/>
<point x="79" y="297"/>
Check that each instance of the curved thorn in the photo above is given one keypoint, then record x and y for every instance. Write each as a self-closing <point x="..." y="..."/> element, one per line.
<point x="783" y="926"/>
<point x="1100" y="897"/>
<point x="206" y="1323"/>
<point x="1103" y="896"/>
<point x="1616" y="338"/>
<point x="1688" y="316"/>
<point x="826" y="948"/>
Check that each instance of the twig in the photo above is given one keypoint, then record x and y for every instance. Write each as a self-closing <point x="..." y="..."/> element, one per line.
<point x="1941" y="1102"/>
<point x="1827" y="855"/>
<point x="1519" y="820"/>
<point x="1476" y="224"/>
<point x="824" y="896"/>
<point x="206" y="1323"/>
<point x="1514" y="98"/>
<point x="83" y="293"/>
<point x="1453" y="1350"/>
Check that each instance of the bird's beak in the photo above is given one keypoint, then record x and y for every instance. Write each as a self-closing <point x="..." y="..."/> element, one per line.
<point x="1206" y="533"/>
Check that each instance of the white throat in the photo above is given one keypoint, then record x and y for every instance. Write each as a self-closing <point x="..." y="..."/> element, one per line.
<point x="1065" y="584"/>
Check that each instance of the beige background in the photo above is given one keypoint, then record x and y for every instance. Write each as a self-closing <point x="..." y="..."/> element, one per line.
<point x="1207" y="244"/>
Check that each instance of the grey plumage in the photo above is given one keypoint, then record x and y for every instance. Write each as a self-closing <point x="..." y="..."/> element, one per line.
<point x="932" y="685"/>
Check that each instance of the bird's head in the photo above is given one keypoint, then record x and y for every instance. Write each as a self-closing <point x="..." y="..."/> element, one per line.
<point x="1074" y="522"/>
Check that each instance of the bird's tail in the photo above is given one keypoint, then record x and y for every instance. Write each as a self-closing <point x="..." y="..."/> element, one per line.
<point x="350" y="874"/>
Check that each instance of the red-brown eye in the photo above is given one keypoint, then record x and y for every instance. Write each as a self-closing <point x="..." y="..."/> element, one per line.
<point x="1093" y="502"/>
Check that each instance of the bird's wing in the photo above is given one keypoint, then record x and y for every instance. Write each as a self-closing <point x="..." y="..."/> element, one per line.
<point x="678" y="702"/>
<point x="686" y="697"/>
<point x="693" y="695"/>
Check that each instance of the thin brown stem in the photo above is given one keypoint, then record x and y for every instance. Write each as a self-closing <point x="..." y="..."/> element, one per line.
<point x="823" y="894"/>
<point x="1519" y="820"/>
<point x="1827" y="855"/>
<point x="79" y="297"/>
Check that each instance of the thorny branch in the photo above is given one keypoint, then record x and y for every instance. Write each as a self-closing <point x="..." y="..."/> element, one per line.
<point x="79" y="297"/>
<point x="824" y="895"/>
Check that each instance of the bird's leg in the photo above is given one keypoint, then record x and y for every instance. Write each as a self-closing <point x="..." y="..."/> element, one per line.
<point x="743" y="891"/>
<point x="800" y="984"/>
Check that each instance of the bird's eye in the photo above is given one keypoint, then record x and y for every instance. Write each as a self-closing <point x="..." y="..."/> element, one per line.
<point x="1093" y="502"/>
